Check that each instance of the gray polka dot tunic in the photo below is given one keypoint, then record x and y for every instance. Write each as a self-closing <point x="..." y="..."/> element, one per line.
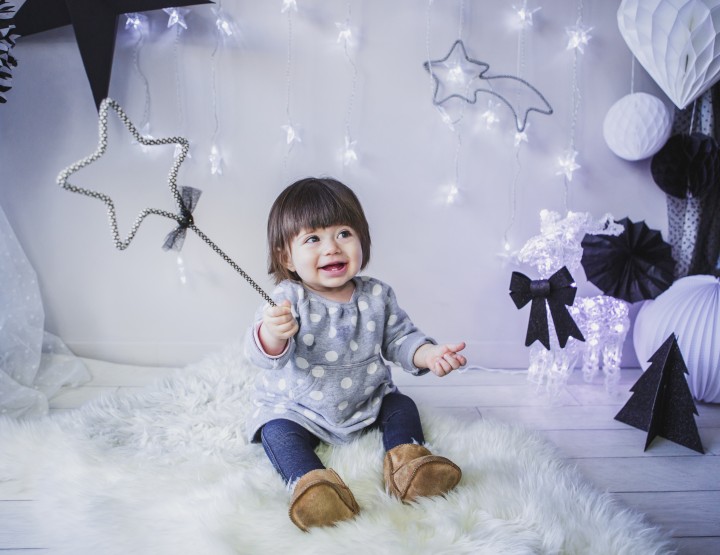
<point x="332" y="376"/>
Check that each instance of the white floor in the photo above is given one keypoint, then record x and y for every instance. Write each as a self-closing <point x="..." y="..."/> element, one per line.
<point x="675" y="487"/>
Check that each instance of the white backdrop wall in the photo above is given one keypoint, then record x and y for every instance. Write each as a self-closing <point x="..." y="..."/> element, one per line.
<point x="443" y="260"/>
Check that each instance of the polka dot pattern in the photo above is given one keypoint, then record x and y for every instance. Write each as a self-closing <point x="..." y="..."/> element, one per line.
<point x="336" y="377"/>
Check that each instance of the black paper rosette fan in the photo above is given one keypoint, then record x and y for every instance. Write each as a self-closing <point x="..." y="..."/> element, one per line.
<point x="633" y="266"/>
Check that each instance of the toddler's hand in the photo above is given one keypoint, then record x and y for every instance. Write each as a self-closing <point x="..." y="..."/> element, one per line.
<point x="443" y="359"/>
<point x="279" y="322"/>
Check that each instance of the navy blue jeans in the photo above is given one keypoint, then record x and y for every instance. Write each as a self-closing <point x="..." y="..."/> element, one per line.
<point x="291" y="448"/>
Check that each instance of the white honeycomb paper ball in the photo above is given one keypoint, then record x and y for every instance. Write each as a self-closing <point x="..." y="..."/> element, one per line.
<point x="676" y="41"/>
<point x="637" y="126"/>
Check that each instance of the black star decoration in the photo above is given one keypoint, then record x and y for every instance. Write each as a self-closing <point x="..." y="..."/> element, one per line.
<point x="95" y="25"/>
<point x="186" y="198"/>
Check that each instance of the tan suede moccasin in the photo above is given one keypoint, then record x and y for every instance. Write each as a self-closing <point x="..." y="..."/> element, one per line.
<point x="412" y="471"/>
<point x="321" y="498"/>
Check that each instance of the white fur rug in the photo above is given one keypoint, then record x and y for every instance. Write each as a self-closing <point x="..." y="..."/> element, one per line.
<point x="167" y="471"/>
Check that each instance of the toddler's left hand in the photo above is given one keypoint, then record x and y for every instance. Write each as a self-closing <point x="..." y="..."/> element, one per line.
<point x="443" y="359"/>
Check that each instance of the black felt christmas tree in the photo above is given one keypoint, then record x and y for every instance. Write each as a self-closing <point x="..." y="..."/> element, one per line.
<point x="661" y="403"/>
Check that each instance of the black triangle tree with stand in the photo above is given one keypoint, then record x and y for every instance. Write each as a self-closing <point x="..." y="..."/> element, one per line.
<point x="661" y="403"/>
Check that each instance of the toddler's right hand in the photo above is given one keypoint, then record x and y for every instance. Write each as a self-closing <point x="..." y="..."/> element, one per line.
<point x="279" y="321"/>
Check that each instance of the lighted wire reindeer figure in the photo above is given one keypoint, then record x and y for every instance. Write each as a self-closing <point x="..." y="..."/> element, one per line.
<point x="603" y="320"/>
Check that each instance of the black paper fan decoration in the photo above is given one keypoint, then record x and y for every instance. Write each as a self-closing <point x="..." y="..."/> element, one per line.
<point x="633" y="266"/>
<point x="687" y="166"/>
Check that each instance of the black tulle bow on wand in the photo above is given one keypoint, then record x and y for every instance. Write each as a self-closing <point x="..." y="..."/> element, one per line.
<point x="176" y="238"/>
<point x="559" y="293"/>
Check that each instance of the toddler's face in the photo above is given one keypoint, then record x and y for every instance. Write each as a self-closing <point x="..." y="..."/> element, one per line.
<point x="326" y="259"/>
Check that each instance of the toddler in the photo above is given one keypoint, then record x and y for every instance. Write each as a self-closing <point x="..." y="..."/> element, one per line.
<point x="323" y="350"/>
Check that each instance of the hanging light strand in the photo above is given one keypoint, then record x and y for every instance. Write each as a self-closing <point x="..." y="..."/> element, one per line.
<point x="138" y="22"/>
<point x="520" y="137"/>
<point x="461" y="25"/>
<point x="215" y="158"/>
<point x="291" y="133"/>
<point x="349" y="153"/>
<point x="579" y="35"/>
<point x="178" y="83"/>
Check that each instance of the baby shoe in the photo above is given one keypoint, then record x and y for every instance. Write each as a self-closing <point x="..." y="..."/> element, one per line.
<point x="321" y="498"/>
<point x="412" y="471"/>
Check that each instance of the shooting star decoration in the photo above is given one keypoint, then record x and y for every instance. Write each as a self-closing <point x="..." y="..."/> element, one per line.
<point x="186" y="198"/>
<point x="459" y="76"/>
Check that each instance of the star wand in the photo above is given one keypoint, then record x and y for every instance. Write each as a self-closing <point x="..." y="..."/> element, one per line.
<point x="186" y="198"/>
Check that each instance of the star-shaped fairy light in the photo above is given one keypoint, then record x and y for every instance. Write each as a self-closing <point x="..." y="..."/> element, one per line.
<point x="449" y="194"/>
<point x="345" y="35"/>
<point x="136" y="21"/>
<point x="289" y="5"/>
<point x="490" y="116"/>
<point x="349" y="155"/>
<point x="567" y="164"/>
<point x="292" y="135"/>
<point x="176" y="16"/>
<point x="578" y="37"/>
<point x="524" y="15"/>
<point x="95" y="25"/>
<point x="521" y="136"/>
<point x="224" y="23"/>
<point x="216" y="161"/>
<point x="186" y="198"/>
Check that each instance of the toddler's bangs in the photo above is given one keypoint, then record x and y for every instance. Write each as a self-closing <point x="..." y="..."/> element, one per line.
<point x="315" y="209"/>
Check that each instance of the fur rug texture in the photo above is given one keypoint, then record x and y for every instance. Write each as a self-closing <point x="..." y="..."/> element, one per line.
<point x="167" y="471"/>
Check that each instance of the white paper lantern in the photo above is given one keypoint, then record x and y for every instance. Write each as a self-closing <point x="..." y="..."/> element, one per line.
<point x="676" y="41"/>
<point x="691" y="310"/>
<point x="637" y="126"/>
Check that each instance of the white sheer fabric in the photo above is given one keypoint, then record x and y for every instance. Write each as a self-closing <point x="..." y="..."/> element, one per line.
<point x="34" y="365"/>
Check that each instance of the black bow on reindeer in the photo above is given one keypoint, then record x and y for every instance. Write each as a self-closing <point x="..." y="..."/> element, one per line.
<point x="176" y="238"/>
<point x="558" y="291"/>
